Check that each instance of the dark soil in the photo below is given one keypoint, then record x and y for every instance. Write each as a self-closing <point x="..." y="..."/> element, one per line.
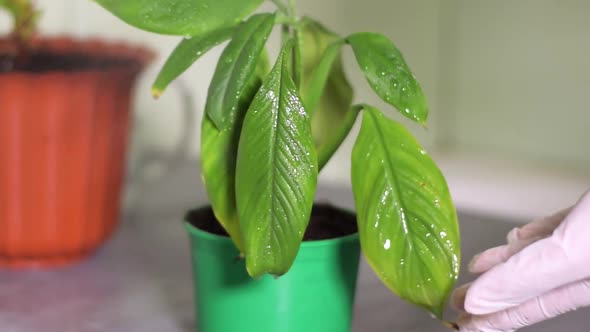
<point x="326" y="222"/>
<point x="47" y="62"/>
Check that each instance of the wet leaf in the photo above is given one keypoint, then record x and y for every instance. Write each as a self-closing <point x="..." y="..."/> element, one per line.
<point x="327" y="93"/>
<point x="407" y="222"/>
<point x="185" y="54"/>
<point x="219" y="149"/>
<point x="180" y="17"/>
<point x="276" y="173"/>
<point x="389" y="75"/>
<point x="236" y="66"/>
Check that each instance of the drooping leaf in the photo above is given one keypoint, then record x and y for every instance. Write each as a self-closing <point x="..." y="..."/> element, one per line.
<point x="276" y="173"/>
<point x="389" y="75"/>
<point x="407" y="222"/>
<point x="219" y="149"/>
<point x="235" y="67"/>
<point x="327" y="93"/>
<point x="185" y="54"/>
<point x="327" y="149"/>
<point x="180" y="17"/>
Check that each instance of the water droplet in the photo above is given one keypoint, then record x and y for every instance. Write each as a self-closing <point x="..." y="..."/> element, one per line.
<point x="387" y="244"/>
<point x="407" y="110"/>
<point x="443" y="234"/>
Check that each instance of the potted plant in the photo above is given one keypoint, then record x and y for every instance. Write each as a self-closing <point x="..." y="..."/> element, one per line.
<point x="266" y="133"/>
<point x="64" y="117"/>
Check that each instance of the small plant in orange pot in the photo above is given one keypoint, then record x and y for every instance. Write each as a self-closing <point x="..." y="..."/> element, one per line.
<point x="64" y="118"/>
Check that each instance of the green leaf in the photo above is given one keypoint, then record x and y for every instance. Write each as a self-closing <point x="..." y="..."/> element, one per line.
<point x="327" y="81"/>
<point x="219" y="149"/>
<point x="263" y="66"/>
<point x="235" y="67"/>
<point x="180" y="17"/>
<point x="322" y="67"/>
<point x="185" y="54"/>
<point x="218" y="165"/>
<point x="329" y="147"/>
<point x="407" y="222"/>
<point x="389" y="75"/>
<point x="276" y="173"/>
<point x="328" y="95"/>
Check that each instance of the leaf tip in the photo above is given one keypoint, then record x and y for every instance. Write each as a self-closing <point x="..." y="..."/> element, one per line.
<point x="253" y="272"/>
<point x="451" y="325"/>
<point x="156" y="92"/>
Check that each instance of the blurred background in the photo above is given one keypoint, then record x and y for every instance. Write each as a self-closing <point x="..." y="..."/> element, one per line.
<point x="507" y="84"/>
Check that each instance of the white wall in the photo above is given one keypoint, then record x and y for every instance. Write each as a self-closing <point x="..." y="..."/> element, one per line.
<point x="518" y="79"/>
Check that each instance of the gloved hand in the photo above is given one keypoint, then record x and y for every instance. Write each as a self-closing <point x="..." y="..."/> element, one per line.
<point x="542" y="272"/>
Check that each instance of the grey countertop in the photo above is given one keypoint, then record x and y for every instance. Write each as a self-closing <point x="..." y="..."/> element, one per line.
<point x="140" y="280"/>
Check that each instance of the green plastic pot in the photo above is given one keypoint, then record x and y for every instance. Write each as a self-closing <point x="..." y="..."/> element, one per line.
<point x="317" y="293"/>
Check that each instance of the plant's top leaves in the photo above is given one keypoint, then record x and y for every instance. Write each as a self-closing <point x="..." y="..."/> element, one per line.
<point x="180" y="17"/>
<point x="389" y="75"/>
<point x="407" y="222"/>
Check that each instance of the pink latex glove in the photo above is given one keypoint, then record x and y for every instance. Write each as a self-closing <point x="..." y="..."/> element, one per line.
<point x="543" y="272"/>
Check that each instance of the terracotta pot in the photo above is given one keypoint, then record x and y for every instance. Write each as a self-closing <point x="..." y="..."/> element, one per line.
<point x="63" y="136"/>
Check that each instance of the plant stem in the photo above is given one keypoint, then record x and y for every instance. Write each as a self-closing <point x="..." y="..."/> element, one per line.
<point x="285" y="34"/>
<point x="292" y="8"/>
<point x="282" y="19"/>
<point x="281" y="6"/>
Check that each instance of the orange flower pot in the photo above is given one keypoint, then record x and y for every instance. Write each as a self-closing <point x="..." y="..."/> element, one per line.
<point x="63" y="136"/>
